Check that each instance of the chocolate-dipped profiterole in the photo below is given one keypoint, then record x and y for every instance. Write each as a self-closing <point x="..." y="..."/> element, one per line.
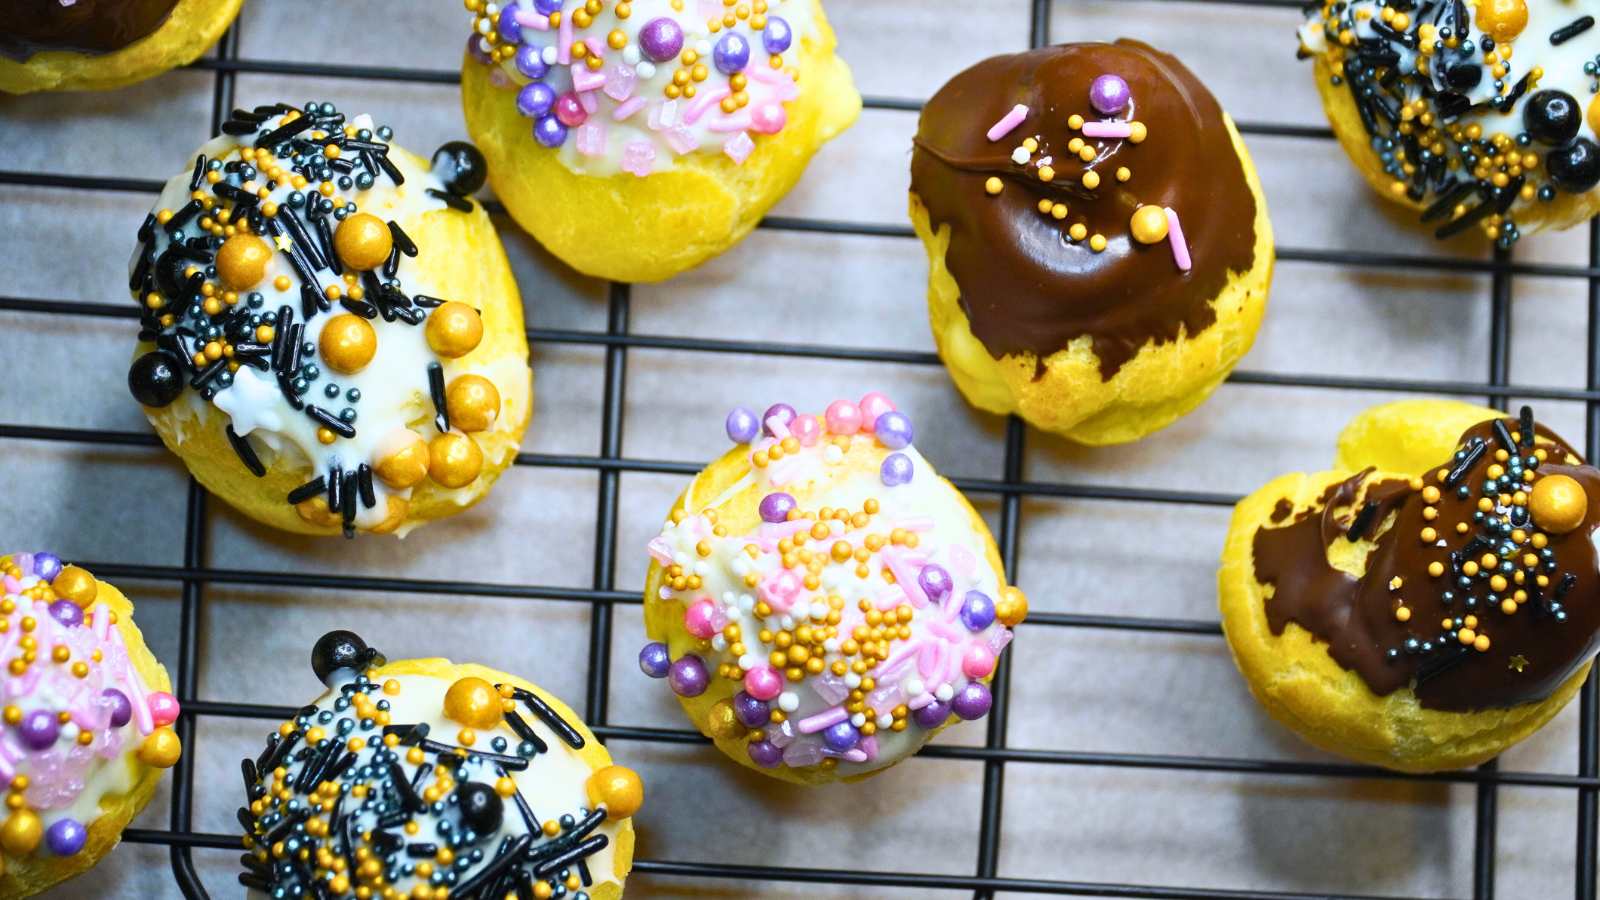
<point x="1091" y="203"/>
<point x="99" y="44"/>
<point x="1464" y="592"/>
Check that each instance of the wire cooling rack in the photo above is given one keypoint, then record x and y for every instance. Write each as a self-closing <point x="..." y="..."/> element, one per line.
<point x="195" y="575"/>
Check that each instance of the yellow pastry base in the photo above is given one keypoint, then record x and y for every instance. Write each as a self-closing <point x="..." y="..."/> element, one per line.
<point x="36" y="873"/>
<point x="1293" y="676"/>
<point x="1163" y="382"/>
<point x="193" y="26"/>
<point x="456" y="249"/>
<point x="626" y="228"/>
<point x="663" y="619"/>
<point x="1564" y="211"/>
<point x="593" y="753"/>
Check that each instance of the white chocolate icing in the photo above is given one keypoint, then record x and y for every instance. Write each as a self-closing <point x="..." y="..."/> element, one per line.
<point x="631" y="124"/>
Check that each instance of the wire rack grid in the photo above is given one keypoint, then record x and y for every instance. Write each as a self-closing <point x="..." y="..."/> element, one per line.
<point x="195" y="575"/>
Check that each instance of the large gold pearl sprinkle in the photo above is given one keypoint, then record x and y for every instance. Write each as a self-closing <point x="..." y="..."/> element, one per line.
<point x="348" y="343"/>
<point x="1012" y="607"/>
<point x="722" y="722"/>
<point x="21" y="833"/>
<point x="1558" y="503"/>
<point x="161" y="748"/>
<point x="363" y="241"/>
<point x="619" y="788"/>
<point x="1149" y="224"/>
<point x="454" y="460"/>
<point x="473" y="402"/>
<point x="473" y="702"/>
<point x="76" y="584"/>
<point x="1504" y="19"/>
<point x="402" y="460"/>
<point x="242" y="262"/>
<point x="454" y="329"/>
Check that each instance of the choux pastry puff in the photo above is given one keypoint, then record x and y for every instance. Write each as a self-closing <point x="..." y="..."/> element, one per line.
<point x="821" y="602"/>
<point x="1429" y="601"/>
<point x="87" y="721"/>
<point x="79" y="45"/>
<point x="1098" y="243"/>
<point x="427" y="778"/>
<point x="639" y="138"/>
<point x="1439" y="114"/>
<point x="330" y="335"/>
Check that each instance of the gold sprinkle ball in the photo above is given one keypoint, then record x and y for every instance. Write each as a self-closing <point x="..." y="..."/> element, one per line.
<point x="1149" y="224"/>
<point x="1558" y="503"/>
<point x="454" y="330"/>
<point x="242" y="261"/>
<point x="454" y="459"/>
<point x="473" y="402"/>
<point x="363" y="241"/>
<point x="347" y="343"/>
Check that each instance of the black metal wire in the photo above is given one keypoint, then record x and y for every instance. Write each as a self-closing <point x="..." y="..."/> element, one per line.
<point x="610" y="464"/>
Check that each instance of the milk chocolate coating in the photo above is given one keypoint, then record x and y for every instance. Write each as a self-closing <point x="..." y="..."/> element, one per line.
<point x="86" y="26"/>
<point x="1025" y="287"/>
<point x="1356" y="617"/>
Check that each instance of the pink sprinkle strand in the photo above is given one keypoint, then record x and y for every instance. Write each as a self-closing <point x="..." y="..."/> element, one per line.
<point x="564" y="41"/>
<point x="821" y="720"/>
<point x="530" y="18"/>
<point x="1180" y="247"/>
<point x="627" y="108"/>
<point x="586" y="79"/>
<point x="1008" y="122"/>
<point x="1106" y="129"/>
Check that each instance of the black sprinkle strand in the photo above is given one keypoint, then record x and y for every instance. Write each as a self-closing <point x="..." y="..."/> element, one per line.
<point x="459" y="204"/>
<point x="1571" y="30"/>
<point x="441" y="411"/>
<point x="1361" y="522"/>
<point x="550" y="717"/>
<point x="247" y="453"/>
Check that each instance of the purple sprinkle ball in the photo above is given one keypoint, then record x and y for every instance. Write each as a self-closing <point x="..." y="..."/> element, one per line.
<point x="765" y="754"/>
<point x="510" y="31"/>
<point x="47" y="566"/>
<point x="535" y="100"/>
<point x="531" y="63"/>
<point x="731" y="54"/>
<point x="548" y="6"/>
<point x="742" y="425"/>
<point x="977" y="611"/>
<point x="777" y="36"/>
<point x="932" y="715"/>
<point x="972" y="701"/>
<point x="841" y="736"/>
<point x="550" y="132"/>
<point x="752" y="712"/>
<point x="935" y="582"/>
<point x="1109" y="94"/>
<point x="654" y="659"/>
<point x="775" y="507"/>
<point x="66" y="837"/>
<point x="894" y="430"/>
<point x="40" y="729"/>
<point x="896" y="469"/>
<point x="661" y="39"/>
<point x="783" y="412"/>
<point x="121" y="707"/>
<point x="67" y="613"/>
<point x="688" y="676"/>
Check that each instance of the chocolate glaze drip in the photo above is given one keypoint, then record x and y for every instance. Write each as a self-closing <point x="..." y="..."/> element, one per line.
<point x="1024" y="286"/>
<point x="1355" y="617"/>
<point x="86" y="26"/>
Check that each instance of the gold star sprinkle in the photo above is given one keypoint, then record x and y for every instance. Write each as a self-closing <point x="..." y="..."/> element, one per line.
<point x="1518" y="662"/>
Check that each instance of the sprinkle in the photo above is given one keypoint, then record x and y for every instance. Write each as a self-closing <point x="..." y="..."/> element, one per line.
<point x="441" y="412"/>
<point x="1020" y="156"/>
<point x="1571" y="30"/>
<point x="247" y="454"/>
<point x="1107" y="130"/>
<point x="550" y="717"/>
<point x="739" y="147"/>
<point x="1008" y="122"/>
<point x="332" y="422"/>
<point x="1180" y="249"/>
<point x="459" y="204"/>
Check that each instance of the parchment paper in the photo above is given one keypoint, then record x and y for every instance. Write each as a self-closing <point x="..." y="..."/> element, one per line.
<point x="1074" y="689"/>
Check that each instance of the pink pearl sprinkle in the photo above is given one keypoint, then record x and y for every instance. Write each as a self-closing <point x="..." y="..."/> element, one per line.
<point x="697" y="619"/>
<point x="977" y="662"/>
<point x="806" y="429"/>
<point x="843" y="417"/>
<point x="163" y="708"/>
<point x="873" y="405"/>
<point x="769" y="118"/>
<point x="570" y="111"/>
<point x="762" y="683"/>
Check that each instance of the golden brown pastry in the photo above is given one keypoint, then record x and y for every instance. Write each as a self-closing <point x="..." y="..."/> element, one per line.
<point x="76" y="45"/>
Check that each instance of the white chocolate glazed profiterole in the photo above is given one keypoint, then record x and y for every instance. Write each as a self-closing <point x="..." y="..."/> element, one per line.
<point x="821" y="600"/>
